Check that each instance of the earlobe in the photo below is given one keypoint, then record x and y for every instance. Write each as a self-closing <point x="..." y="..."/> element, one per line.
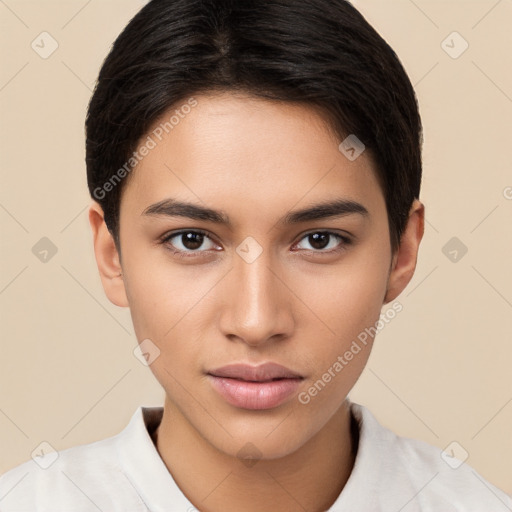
<point x="107" y="257"/>
<point x="404" y="260"/>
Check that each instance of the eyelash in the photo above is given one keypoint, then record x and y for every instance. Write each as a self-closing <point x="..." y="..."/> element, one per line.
<point x="165" y="240"/>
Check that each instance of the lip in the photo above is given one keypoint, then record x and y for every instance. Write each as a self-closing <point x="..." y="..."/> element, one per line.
<point x="255" y="387"/>
<point x="262" y="372"/>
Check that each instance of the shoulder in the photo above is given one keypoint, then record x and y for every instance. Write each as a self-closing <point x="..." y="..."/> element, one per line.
<point x="447" y="479"/>
<point x="81" y="478"/>
<point x="431" y="479"/>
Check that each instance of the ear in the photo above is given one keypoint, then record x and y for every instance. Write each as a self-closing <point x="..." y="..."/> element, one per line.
<point x="107" y="257"/>
<point x="404" y="259"/>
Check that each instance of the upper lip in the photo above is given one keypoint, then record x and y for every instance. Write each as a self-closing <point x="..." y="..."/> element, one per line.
<point x="263" y="372"/>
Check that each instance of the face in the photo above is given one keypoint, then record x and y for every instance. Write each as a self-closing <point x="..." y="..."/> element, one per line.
<point x="264" y="285"/>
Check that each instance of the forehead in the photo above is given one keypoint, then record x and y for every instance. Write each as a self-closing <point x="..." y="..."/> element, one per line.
<point x="259" y="156"/>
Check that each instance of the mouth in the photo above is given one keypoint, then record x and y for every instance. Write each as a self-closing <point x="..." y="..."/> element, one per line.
<point x="266" y="372"/>
<point x="261" y="387"/>
<point x="248" y="380"/>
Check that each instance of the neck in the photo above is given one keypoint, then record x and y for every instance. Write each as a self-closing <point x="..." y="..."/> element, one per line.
<point x="310" y="478"/>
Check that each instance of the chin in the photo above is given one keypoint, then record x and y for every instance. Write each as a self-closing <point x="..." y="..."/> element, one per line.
<point x="269" y="440"/>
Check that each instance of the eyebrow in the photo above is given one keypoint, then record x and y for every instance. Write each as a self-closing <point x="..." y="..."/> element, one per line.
<point x="336" y="208"/>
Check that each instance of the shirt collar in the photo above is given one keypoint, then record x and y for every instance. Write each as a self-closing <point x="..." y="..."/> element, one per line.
<point x="359" y="492"/>
<point x="143" y="465"/>
<point x="155" y="485"/>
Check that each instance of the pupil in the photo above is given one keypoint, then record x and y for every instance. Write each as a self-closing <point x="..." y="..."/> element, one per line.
<point x="190" y="242"/>
<point x="317" y="242"/>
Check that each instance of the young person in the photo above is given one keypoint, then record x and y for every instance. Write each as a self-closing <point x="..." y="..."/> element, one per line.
<point x="255" y="170"/>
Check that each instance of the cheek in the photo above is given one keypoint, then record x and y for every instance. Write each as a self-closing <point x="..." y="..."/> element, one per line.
<point x="145" y="305"/>
<point x="347" y="299"/>
<point x="168" y="304"/>
<point x="346" y="303"/>
<point x="339" y="356"/>
<point x="154" y="302"/>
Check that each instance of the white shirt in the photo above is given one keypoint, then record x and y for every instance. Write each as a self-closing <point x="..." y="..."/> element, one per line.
<point x="124" y="473"/>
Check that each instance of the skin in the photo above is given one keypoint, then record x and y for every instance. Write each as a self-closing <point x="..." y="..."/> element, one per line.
<point x="255" y="160"/>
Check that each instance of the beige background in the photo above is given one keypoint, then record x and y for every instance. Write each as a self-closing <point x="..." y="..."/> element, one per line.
<point x="440" y="371"/>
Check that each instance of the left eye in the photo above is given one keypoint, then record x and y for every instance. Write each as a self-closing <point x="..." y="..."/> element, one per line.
<point x="320" y="241"/>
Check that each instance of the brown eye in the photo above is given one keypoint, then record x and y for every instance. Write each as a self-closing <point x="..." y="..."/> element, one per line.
<point x="319" y="240"/>
<point x="326" y="241"/>
<point x="189" y="241"/>
<point x="192" y="240"/>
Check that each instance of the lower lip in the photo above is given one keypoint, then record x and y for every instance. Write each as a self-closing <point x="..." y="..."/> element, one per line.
<point x="254" y="395"/>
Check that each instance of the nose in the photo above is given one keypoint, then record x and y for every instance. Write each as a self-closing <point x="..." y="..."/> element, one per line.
<point x="258" y="305"/>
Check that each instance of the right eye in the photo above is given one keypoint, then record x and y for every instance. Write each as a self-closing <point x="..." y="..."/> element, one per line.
<point x="187" y="242"/>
